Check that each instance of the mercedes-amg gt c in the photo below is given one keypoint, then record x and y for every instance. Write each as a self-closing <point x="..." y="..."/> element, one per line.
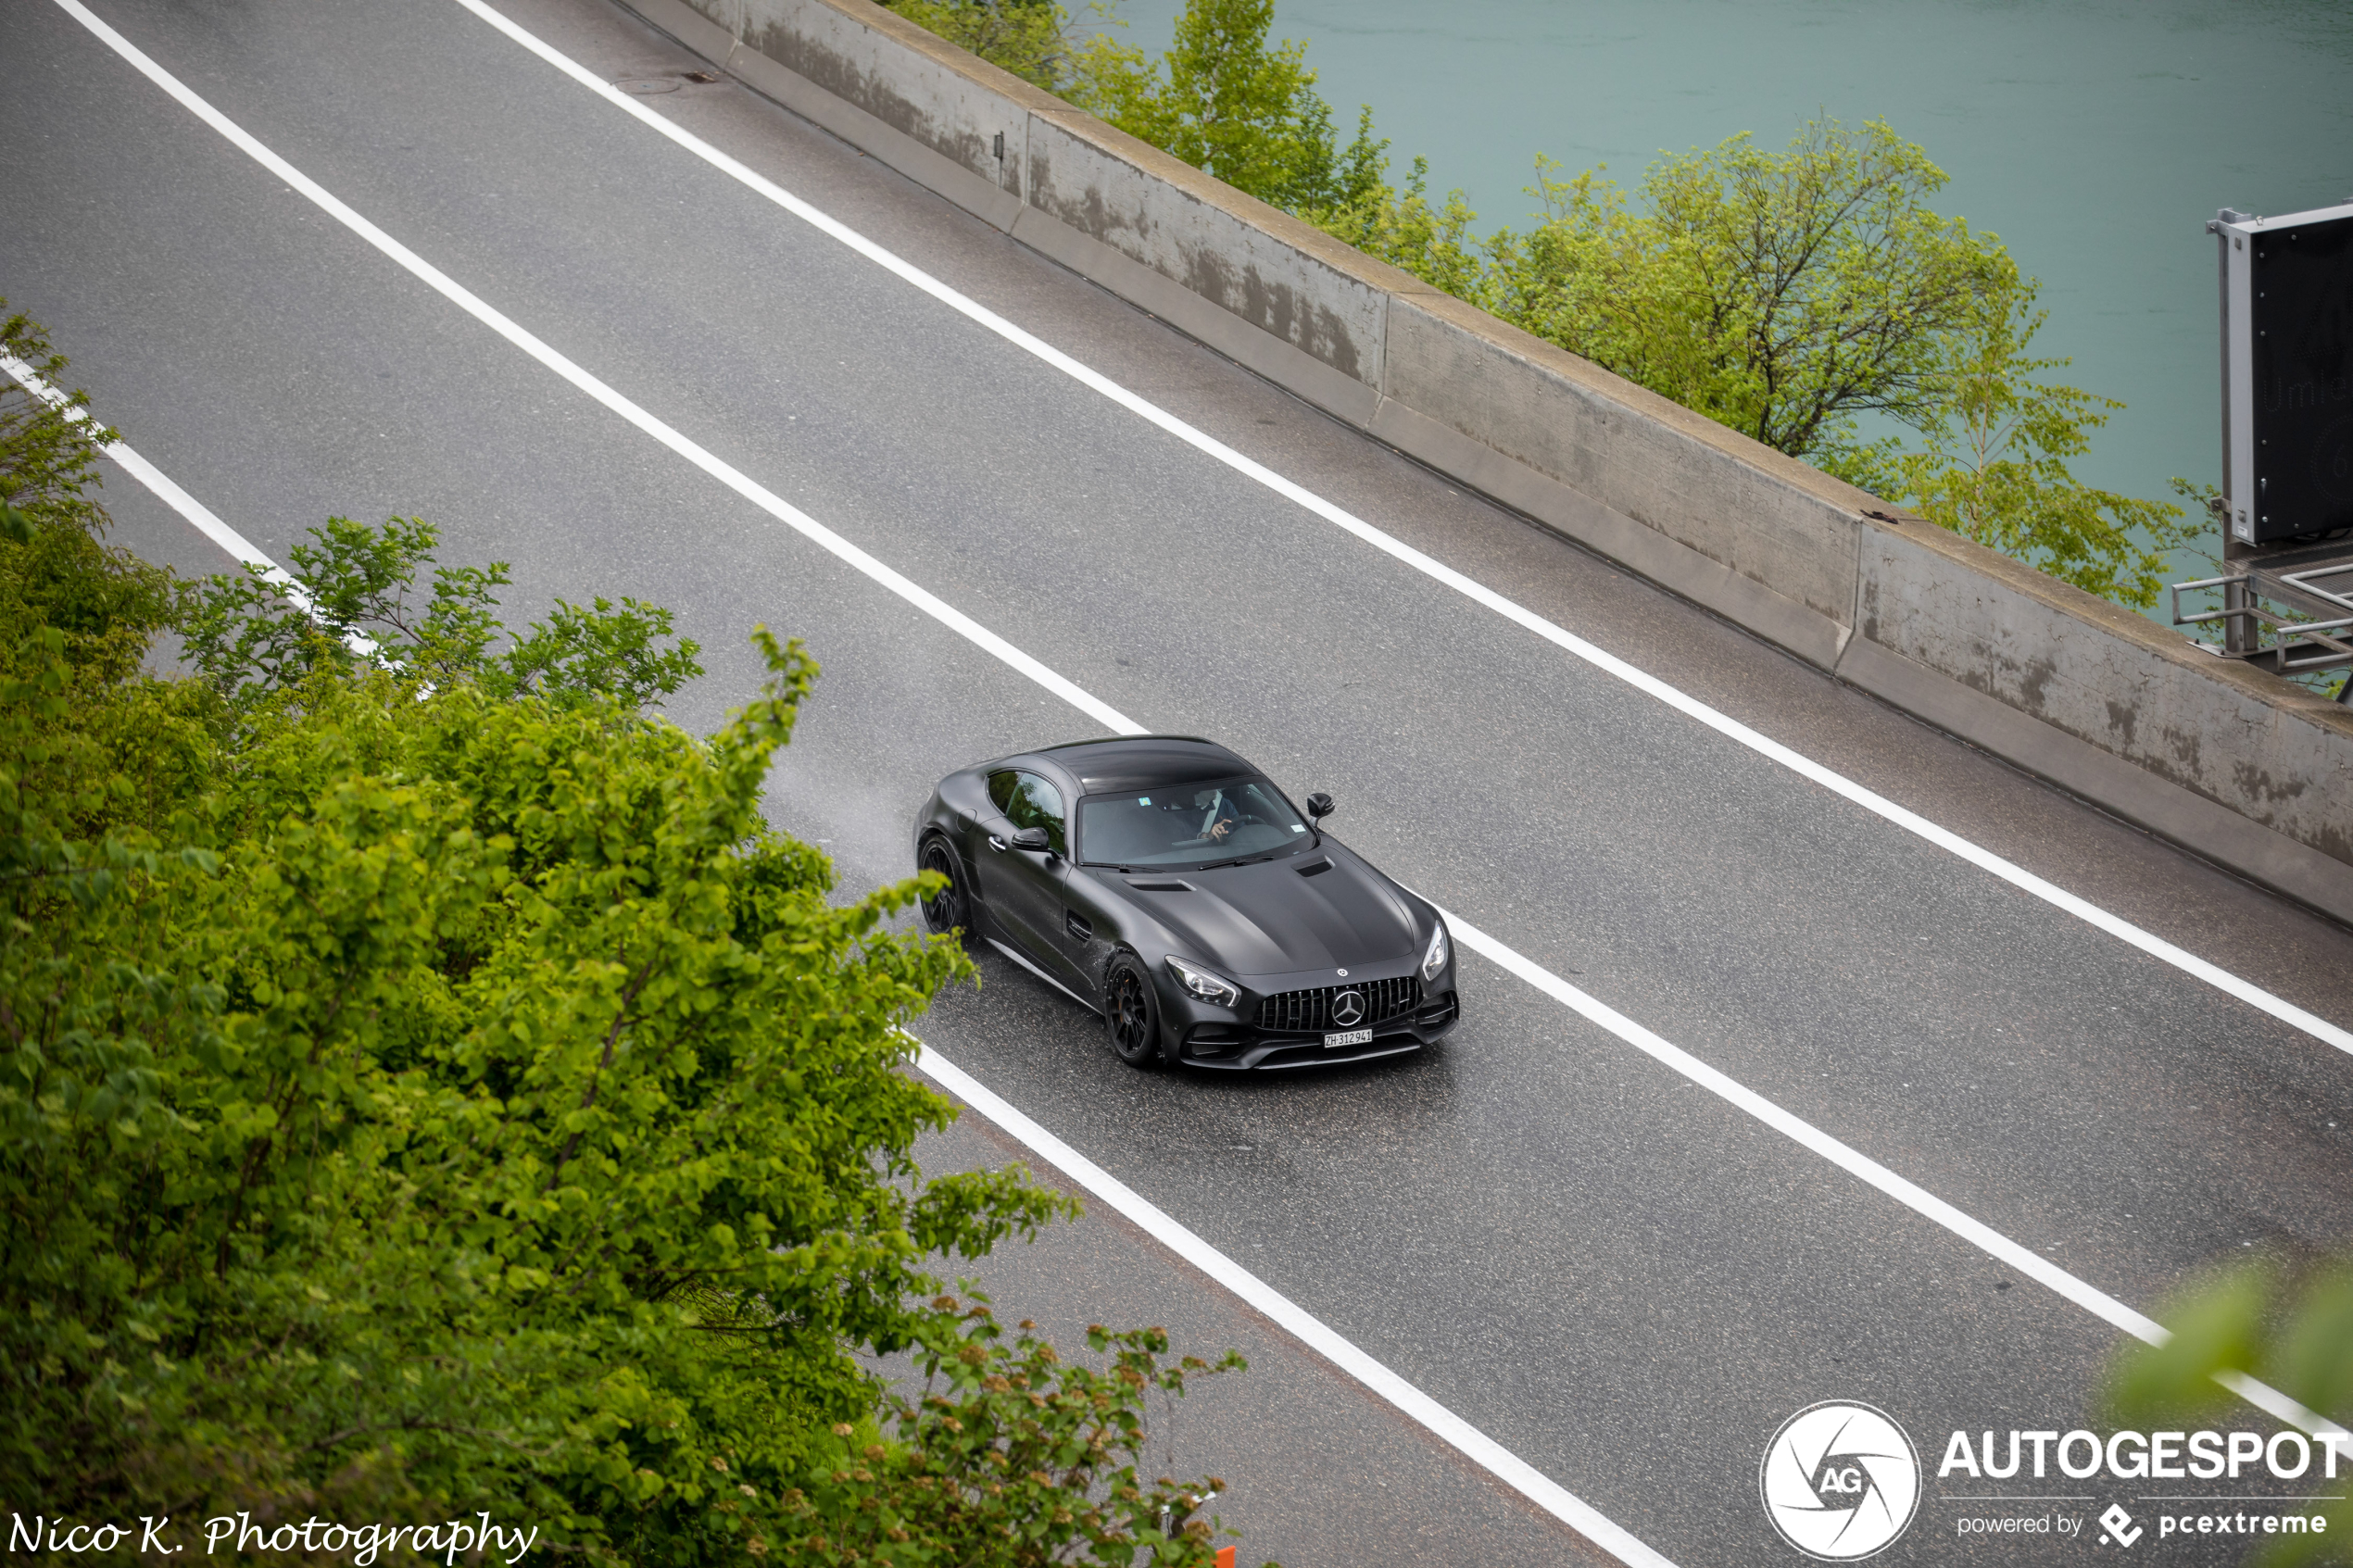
<point x="1168" y="885"/>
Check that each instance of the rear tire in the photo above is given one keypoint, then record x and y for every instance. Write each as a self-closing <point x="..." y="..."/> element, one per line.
<point x="1131" y="1014"/>
<point x="948" y="909"/>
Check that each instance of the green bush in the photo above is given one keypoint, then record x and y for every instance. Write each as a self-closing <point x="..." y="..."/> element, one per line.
<point x="2288" y="1324"/>
<point x="429" y="1087"/>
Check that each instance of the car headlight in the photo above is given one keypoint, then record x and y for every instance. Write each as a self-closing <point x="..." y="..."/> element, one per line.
<point x="1204" y="985"/>
<point x="1435" y="960"/>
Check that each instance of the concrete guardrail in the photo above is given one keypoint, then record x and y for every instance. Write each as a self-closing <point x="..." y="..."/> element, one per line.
<point x="2248" y="769"/>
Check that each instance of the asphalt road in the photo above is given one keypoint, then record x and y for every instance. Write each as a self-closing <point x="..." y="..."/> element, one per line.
<point x="1611" y="1272"/>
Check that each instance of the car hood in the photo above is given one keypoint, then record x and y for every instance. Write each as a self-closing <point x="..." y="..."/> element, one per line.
<point x="1267" y="919"/>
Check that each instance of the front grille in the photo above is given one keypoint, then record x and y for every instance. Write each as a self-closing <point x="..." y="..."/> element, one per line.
<point x="1310" y="1012"/>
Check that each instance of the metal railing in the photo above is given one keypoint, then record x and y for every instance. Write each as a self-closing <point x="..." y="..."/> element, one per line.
<point x="2315" y="632"/>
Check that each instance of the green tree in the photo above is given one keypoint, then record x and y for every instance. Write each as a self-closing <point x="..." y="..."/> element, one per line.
<point x="346" y="601"/>
<point x="1994" y="443"/>
<point x="1225" y="101"/>
<point x="1014" y="1455"/>
<point x="1792" y="296"/>
<point x="1780" y="294"/>
<point x="2288" y="1326"/>
<point x="103" y="601"/>
<point x="1030" y="38"/>
<point x="92" y="754"/>
<point x="427" y="1085"/>
<point x="1431" y="240"/>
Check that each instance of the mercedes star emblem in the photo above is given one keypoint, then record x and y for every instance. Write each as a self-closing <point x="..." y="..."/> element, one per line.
<point x="1348" y="1009"/>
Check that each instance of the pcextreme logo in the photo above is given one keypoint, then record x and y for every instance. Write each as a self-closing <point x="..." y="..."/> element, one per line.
<point x="1839" y="1481"/>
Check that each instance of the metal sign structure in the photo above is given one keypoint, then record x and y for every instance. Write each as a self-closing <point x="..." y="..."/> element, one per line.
<point x="2286" y="506"/>
<point x="2288" y="374"/>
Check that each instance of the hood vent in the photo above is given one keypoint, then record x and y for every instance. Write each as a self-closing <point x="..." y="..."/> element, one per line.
<point x="1162" y="887"/>
<point x="1316" y="868"/>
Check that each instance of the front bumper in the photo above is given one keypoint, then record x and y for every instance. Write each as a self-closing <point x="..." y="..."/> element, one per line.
<point x="1269" y="1031"/>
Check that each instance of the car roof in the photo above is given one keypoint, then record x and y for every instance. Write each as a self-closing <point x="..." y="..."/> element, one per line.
<point x="1143" y="762"/>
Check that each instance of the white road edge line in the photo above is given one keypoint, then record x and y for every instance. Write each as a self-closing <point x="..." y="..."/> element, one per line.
<point x="179" y="501"/>
<point x="1886" y="1181"/>
<point x="1838" y="783"/>
<point x="1475" y="1444"/>
<point x="155" y="479"/>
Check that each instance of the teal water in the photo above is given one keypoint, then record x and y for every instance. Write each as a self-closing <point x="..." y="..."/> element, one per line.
<point x="2096" y="137"/>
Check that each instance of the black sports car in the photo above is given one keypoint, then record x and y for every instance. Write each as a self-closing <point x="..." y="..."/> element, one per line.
<point x="1168" y="884"/>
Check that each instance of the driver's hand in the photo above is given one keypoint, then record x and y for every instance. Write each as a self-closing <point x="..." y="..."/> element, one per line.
<point x="1221" y="828"/>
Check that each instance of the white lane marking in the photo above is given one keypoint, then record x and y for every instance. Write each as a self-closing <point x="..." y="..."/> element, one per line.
<point x="1838" y="783"/>
<point x="727" y="473"/>
<point x="1886" y="1181"/>
<point x="155" y="479"/>
<point x="1481" y="1449"/>
<point x="179" y="501"/>
<point x="1911" y="1195"/>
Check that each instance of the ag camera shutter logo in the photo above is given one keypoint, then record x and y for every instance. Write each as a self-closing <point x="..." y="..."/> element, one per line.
<point x="1839" y="1481"/>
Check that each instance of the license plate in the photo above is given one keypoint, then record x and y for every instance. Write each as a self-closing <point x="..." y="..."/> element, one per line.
<point x="1353" y="1037"/>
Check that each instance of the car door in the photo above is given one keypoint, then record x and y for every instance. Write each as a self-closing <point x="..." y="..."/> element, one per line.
<point x="1023" y="889"/>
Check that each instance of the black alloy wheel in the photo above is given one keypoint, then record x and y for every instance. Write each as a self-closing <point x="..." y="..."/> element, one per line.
<point x="1131" y="1014"/>
<point x="944" y="911"/>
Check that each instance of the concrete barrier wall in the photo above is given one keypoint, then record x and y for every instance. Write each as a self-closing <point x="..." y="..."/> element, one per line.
<point x="2231" y="762"/>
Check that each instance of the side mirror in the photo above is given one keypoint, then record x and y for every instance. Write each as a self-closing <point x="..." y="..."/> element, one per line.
<point x="1319" y="805"/>
<point x="1032" y="839"/>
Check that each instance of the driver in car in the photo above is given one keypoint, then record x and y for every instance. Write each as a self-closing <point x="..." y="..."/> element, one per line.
<point x="1223" y="820"/>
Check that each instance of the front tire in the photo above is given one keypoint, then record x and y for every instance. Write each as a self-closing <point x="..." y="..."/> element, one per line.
<point x="1131" y="1014"/>
<point x="948" y="909"/>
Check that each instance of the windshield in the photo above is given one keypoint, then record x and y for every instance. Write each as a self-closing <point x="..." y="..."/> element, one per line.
<point x="1197" y="824"/>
